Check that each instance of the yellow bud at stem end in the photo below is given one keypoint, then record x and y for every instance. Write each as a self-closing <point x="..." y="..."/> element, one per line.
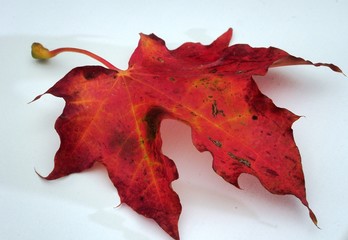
<point x="38" y="51"/>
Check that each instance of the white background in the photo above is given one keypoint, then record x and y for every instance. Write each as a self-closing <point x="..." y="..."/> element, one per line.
<point x="83" y="206"/>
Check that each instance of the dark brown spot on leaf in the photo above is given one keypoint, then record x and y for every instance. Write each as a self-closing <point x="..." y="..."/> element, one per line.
<point x="216" y="142"/>
<point x="215" y="110"/>
<point x="241" y="160"/>
<point x="90" y="73"/>
<point x="272" y="172"/>
<point x="152" y="120"/>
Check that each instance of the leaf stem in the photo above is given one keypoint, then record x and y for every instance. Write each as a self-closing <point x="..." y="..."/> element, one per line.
<point x="38" y="51"/>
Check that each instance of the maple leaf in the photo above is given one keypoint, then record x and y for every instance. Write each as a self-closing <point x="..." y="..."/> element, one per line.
<point x="113" y="116"/>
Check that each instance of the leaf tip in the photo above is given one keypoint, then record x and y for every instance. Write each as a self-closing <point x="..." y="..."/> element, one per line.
<point x="36" y="98"/>
<point x="224" y="39"/>
<point x="290" y="60"/>
<point x="37" y="173"/>
<point x="313" y="218"/>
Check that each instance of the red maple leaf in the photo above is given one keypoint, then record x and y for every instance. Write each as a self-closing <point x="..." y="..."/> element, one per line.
<point x="113" y="117"/>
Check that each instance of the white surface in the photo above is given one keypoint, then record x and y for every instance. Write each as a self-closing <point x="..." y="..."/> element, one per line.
<point x="81" y="206"/>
